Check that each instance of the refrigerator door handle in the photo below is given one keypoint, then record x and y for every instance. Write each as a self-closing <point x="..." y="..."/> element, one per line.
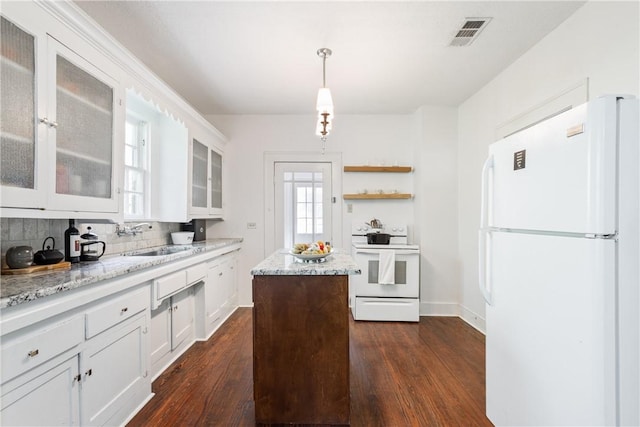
<point x="484" y="265"/>
<point x="484" y="262"/>
<point x="484" y="192"/>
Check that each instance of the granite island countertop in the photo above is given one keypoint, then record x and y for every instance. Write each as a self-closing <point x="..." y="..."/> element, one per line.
<point x="18" y="289"/>
<point x="281" y="263"/>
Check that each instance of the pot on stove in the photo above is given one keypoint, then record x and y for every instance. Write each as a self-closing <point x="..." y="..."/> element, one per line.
<point x="378" y="238"/>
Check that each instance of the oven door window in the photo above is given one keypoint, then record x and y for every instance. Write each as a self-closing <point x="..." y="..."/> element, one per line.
<point x="400" y="270"/>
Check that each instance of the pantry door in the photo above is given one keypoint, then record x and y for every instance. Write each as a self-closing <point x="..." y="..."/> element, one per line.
<point x="300" y="199"/>
<point x="302" y="202"/>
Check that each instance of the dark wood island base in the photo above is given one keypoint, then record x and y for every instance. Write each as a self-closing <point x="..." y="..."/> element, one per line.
<point x="301" y="349"/>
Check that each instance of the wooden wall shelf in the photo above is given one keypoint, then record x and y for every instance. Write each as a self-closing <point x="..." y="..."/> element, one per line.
<point x="377" y="196"/>
<point x="401" y="169"/>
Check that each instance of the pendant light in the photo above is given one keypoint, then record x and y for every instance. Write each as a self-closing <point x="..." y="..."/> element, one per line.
<point x="324" y="103"/>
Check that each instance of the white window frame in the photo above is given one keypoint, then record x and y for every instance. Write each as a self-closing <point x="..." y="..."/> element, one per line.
<point x="144" y="151"/>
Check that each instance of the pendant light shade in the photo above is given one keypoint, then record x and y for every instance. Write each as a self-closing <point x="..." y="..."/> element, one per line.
<point x="324" y="103"/>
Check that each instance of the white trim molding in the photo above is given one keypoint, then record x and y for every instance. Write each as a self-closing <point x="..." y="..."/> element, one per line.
<point x="270" y="158"/>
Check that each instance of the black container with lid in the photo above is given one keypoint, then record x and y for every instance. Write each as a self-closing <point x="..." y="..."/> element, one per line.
<point x="199" y="228"/>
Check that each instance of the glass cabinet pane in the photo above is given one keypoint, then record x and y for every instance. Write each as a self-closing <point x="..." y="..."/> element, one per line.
<point x="199" y="175"/>
<point x="84" y="135"/>
<point x="216" y="180"/>
<point x="17" y="106"/>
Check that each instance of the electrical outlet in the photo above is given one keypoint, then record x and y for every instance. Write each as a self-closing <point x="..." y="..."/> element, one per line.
<point x="349" y="207"/>
<point x="251" y="225"/>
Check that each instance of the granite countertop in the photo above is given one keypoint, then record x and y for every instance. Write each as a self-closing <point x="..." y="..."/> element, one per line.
<point x="18" y="289"/>
<point x="281" y="263"/>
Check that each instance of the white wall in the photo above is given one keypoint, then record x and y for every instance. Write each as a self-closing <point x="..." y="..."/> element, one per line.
<point x="599" y="42"/>
<point x="436" y="204"/>
<point x="359" y="139"/>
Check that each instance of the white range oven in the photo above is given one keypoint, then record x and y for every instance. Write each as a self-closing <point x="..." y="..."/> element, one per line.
<point x="389" y="287"/>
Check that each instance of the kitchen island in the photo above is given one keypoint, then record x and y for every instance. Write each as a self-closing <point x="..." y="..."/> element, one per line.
<point x="301" y="339"/>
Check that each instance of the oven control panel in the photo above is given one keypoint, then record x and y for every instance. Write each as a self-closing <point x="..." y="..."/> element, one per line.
<point x="393" y="229"/>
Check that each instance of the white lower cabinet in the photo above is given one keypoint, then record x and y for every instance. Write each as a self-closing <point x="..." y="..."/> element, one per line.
<point x="89" y="368"/>
<point x="213" y="294"/>
<point x="182" y="308"/>
<point x="220" y="290"/>
<point x="113" y="370"/>
<point x="172" y="329"/>
<point x="49" y="395"/>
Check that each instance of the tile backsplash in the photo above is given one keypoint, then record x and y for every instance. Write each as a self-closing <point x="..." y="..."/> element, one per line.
<point x="32" y="232"/>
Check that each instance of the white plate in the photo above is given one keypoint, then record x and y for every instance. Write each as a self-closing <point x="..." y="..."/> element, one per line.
<point x="311" y="256"/>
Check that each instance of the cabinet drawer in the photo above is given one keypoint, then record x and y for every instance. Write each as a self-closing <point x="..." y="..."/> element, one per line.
<point x="115" y="311"/>
<point x="27" y="352"/>
<point x="196" y="273"/>
<point x="169" y="284"/>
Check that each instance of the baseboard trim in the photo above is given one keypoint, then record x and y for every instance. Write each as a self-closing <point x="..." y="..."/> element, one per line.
<point x="453" y="310"/>
<point x="439" y="309"/>
<point x="473" y="319"/>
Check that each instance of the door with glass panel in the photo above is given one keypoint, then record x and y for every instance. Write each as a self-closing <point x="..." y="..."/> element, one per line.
<point x="206" y="180"/>
<point x="302" y="202"/>
<point x="82" y="101"/>
<point x="199" y="178"/>
<point x="21" y="174"/>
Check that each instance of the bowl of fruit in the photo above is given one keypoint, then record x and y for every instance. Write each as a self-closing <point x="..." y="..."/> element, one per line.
<point x="311" y="251"/>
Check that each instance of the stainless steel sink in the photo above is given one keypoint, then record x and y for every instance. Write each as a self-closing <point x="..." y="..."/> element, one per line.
<point x="161" y="252"/>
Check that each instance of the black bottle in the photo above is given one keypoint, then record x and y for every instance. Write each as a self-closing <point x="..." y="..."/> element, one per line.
<point x="72" y="243"/>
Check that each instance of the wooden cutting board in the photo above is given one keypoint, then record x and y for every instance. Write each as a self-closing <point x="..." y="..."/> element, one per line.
<point x="64" y="265"/>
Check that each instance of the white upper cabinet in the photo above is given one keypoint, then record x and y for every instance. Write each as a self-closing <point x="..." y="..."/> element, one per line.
<point x="206" y="180"/>
<point x="61" y="116"/>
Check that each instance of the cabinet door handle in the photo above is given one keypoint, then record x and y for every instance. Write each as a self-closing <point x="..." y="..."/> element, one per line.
<point x="89" y="372"/>
<point x="45" y="121"/>
<point x="124" y="310"/>
<point x="33" y="353"/>
<point x="175" y="308"/>
<point x="53" y="124"/>
<point x="220" y="274"/>
<point x="77" y="378"/>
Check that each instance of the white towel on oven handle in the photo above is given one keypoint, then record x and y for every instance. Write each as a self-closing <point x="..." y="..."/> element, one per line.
<point x="387" y="267"/>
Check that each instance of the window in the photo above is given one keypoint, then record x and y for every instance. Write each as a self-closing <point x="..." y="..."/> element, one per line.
<point x="136" y="169"/>
<point x="304" y="206"/>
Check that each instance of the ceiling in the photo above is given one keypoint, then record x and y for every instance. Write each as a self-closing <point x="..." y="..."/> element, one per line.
<point x="240" y="57"/>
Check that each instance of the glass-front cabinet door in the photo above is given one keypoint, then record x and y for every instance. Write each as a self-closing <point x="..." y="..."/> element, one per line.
<point x="216" y="182"/>
<point x="199" y="177"/>
<point x="206" y="181"/>
<point x="84" y="133"/>
<point x="19" y="144"/>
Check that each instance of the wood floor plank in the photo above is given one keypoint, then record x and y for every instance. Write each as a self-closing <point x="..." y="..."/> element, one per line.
<point x="429" y="373"/>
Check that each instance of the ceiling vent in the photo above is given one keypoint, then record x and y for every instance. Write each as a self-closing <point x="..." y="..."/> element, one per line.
<point x="469" y="31"/>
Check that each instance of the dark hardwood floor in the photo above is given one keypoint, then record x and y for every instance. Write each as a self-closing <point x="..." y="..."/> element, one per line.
<point x="429" y="373"/>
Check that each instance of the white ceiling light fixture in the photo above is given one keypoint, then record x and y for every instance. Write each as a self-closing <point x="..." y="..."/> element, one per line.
<point x="324" y="103"/>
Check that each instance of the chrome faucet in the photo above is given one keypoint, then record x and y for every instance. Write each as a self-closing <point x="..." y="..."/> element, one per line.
<point x="124" y="230"/>
<point x="138" y="227"/>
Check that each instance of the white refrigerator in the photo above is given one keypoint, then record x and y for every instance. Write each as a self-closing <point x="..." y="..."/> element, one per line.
<point x="559" y="269"/>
